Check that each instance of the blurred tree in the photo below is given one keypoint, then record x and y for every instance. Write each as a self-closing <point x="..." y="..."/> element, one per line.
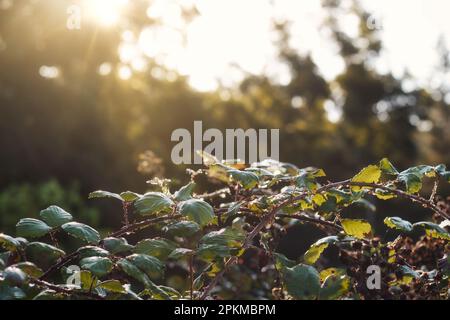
<point x="66" y="113"/>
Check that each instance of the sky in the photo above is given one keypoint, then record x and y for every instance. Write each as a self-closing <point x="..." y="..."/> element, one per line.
<point x="231" y="33"/>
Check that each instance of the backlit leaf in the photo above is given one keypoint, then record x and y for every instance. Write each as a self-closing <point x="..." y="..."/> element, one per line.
<point x="357" y="228"/>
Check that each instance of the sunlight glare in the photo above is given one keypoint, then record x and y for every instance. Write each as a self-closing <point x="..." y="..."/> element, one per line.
<point x="105" y="12"/>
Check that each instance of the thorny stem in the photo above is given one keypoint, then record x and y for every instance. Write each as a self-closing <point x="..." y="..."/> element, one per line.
<point x="43" y="284"/>
<point x="271" y="215"/>
<point x="125" y="206"/>
<point x="265" y="220"/>
<point x="214" y="194"/>
<point x="433" y="192"/>
<point x="414" y="198"/>
<point x="60" y="264"/>
<point x="142" y="224"/>
<point x="53" y="238"/>
<point x="191" y="274"/>
<point x="311" y="220"/>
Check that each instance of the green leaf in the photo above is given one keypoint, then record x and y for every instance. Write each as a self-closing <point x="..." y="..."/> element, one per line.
<point x="32" y="228"/>
<point x="412" y="177"/>
<point x="55" y="216"/>
<point x="88" y="281"/>
<point x="10" y="293"/>
<point x="314" y="252"/>
<point x="357" y="228"/>
<point x="325" y="273"/>
<point x="129" y="196"/>
<point x="153" y="202"/>
<point x="412" y="181"/>
<point x="247" y="179"/>
<point x="182" y="228"/>
<point x="104" y="194"/>
<point x="158" y="247"/>
<point x="38" y="251"/>
<point x="384" y="194"/>
<point x="370" y="174"/>
<point x="302" y="281"/>
<point x="433" y="230"/>
<point x="446" y="176"/>
<point x="211" y="252"/>
<point x="92" y="251"/>
<point x="152" y="266"/>
<point x="82" y="231"/>
<point x="168" y="293"/>
<point x="219" y="171"/>
<point x="131" y="270"/>
<point x="281" y="261"/>
<point x="180" y="253"/>
<point x="30" y="269"/>
<point x="197" y="210"/>
<point x="185" y="193"/>
<point x="229" y="237"/>
<point x="366" y="204"/>
<point x="305" y="181"/>
<point x="112" y="286"/>
<point x="208" y="159"/>
<point x="307" y="178"/>
<point x="9" y="243"/>
<point x="405" y="270"/>
<point x="398" y="223"/>
<point x="406" y="275"/>
<point x="387" y="167"/>
<point x="126" y="196"/>
<point x="99" y="266"/>
<point x="220" y="244"/>
<point x="116" y="245"/>
<point x="334" y="287"/>
<point x="14" y="276"/>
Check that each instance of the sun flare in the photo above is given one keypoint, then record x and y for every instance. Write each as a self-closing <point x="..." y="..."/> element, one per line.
<point x="105" y="12"/>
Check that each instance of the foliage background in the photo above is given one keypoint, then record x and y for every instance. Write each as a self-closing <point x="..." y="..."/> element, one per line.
<point x="62" y="137"/>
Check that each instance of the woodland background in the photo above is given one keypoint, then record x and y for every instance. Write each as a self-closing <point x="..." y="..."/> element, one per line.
<point x="63" y="137"/>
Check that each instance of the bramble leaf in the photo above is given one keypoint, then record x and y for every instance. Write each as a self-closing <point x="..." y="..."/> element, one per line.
<point x="316" y="249"/>
<point x="197" y="210"/>
<point x="54" y="216"/>
<point x="153" y="202"/>
<point x="370" y="174"/>
<point x="302" y="282"/>
<point x="116" y="245"/>
<point x="246" y="179"/>
<point x="32" y="228"/>
<point x="152" y="266"/>
<point x="99" y="266"/>
<point x="357" y="228"/>
<point x="433" y="230"/>
<point x="82" y="231"/>
<point x="185" y="192"/>
<point x="182" y="228"/>
<point x="398" y="223"/>
<point x="157" y="247"/>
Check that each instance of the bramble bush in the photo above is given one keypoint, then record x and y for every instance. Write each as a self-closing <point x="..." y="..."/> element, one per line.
<point x="225" y="242"/>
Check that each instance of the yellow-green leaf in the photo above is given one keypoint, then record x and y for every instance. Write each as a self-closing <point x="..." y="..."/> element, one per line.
<point x="398" y="223"/>
<point x="370" y="174"/>
<point x="357" y="228"/>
